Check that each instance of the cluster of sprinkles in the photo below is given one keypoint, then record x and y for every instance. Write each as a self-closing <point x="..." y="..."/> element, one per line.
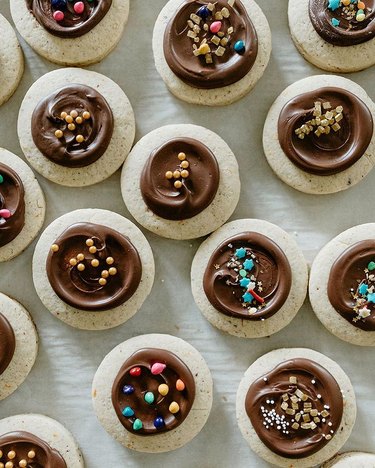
<point x="70" y="121"/>
<point x="60" y="6"/>
<point x="209" y="33"/>
<point x="4" y="213"/>
<point x="9" y="459"/>
<point x="323" y="120"/>
<point x="180" y="172"/>
<point x="351" y="10"/>
<point x="364" y="294"/>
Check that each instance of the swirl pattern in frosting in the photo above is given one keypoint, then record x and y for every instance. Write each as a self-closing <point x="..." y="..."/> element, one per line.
<point x="7" y="343"/>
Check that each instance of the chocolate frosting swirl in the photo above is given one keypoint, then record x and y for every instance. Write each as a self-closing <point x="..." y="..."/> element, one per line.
<point x="264" y="269"/>
<point x="296" y="389"/>
<point x="129" y="392"/>
<point x="25" y="445"/>
<point x="7" y="343"/>
<point x="332" y="153"/>
<point x="197" y="191"/>
<point x="82" y="288"/>
<point x="12" y="198"/>
<point x="73" y="24"/>
<point x="225" y="69"/>
<point x="351" y="285"/>
<point x="96" y="130"/>
<point x="348" y="32"/>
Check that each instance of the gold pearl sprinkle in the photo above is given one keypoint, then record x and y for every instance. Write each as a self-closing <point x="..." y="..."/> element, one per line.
<point x="102" y="282"/>
<point x="9" y="464"/>
<point x="59" y="134"/>
<point x="1" y="453"/>
<point x="177" y="174"/>
<point x="80" y="257"/>
<point x="80" y="139"/>
<point x="73" y="261"/>
<point x="11" y="455"/>
<point x="185" y="164"/>
<point x="1" y="465"/>
<point x="74" y="114"/>
<point x="86" y="115"/>
<point x="93" y="249"/>
<point x="112" y="271"/>
<point x="105" y="274"/>
<point x="69" y="119"/>
<point x="89" y="242"/>
<point x="181" y="156"/>
<point x="63" y="115"/>
<point x="184" y="174"/>
<point x="22" y="464"/>
<point x="110" y="260"/>
<point x="169" y="174"/>
<point x="55" y="248"/>
<point x="81" y="267"/>
<point x="95" y="262"/>
<point x="79" y="120"/>
<point x="178" y="184"/>
<point x="31" y="454"/>
<point x="71" y="127"/>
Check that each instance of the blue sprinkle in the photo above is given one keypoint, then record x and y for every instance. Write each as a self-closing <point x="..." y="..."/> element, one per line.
<point x="240" y="253"/>
<point x="244" y="282"/>
<point x="204" y="12"/>
<point x="333" y="4"/>
<point x="128" y="412"/>
<point x="363" y="288"/>
<point x="158" y="422"/>
<point x="128" y="389"/>
<point x="58" y="4"/>
<point x="371" y="298"/>
<point x="247" y="297"/>
<point x="335" y="22"/>
<point x="239" y="47"/>
<point x="248" y="264"/>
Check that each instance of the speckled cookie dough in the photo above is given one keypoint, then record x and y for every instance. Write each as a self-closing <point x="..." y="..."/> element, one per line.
<point x="351" y="460"/>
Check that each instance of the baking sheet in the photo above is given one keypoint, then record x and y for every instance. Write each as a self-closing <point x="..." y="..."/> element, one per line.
<point x="60" y="383"/>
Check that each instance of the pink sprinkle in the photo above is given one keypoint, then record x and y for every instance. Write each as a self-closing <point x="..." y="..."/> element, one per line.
<point x="215" y="27"/>
<point x="58" y="15"/>
<point x="157" y="368"/>
<point x="79" y="7"/>
<point x="5" y="214"/>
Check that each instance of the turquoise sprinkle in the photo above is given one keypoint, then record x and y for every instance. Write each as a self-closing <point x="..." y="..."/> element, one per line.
<point x="243" y="273"/>
<point x="247" y="297"/>
<point x="149" y="398"/>
<point x="371" y="266"/>
<point x="363" y="289"/>
<point x="239" y="47"/>
<point x="1" y="179"/>
<point x="240" y="253"/>
<point x="248" y="264"/>
<point x="137" y="425"/>
<point x="371" y="298"/>
<point x="128" y="412"/>
<point x="333" y="4"/>
<point x="335" y="22"/>
<point x="244" y="282"/>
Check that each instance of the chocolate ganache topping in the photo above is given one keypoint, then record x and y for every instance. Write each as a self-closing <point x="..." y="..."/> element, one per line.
<point x="180" y="179"/>
<point x="92" y="267"/>
<point x="12" y="205"/>
<point x="153" y="392"/>
<point x="351" y="285"/>
<point x="7" y="343"/>
<point x="210" y="45"/>
<point x="22" y="449"/>
<point x="343" y="22"/>
<point x="248" y="276"/>
<point x="296" y="408"/>
<point x="68" y="18"/>
<point x="72" y="126"/>
<point x="325" y="131"/>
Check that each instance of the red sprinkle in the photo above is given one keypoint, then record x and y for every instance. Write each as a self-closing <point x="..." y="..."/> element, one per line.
<point x="79" y="7"/>
<point x="255" y="296"/>
<point x="135" y="372"/>
<point x="58" y="15"/>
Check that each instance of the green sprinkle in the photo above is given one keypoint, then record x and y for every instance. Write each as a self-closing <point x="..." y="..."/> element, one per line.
<point x="149" y="398"/>
<point x="1" y="179"/>
<point x="243" y="273"/>
<point x="371" y="266"/>
<point x="137" y="425"/>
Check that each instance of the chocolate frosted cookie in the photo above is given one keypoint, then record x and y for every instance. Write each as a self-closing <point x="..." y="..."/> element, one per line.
<point x="351" y="460"/>
<point x="342" y="285"/>
<point x="181" y="181"/>
<point x="335" y="35"/>
<point x="211" y="53"/>
<point x="249" y="278"/>
<point x="93" y="269"/>
<point x="295" y="407"/>
<point x="64" y="31"/>
<point x="79" y="133"/>
<point x="319" y="135"/>
<point x="153" y="393"/>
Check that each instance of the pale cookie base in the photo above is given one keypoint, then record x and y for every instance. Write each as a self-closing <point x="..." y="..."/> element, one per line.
<point x="166" y="441"/>
<point x="81" y="51"/>
<point x="122" y="137"/>
<point x="11" y="61"/>
<point x="352" y="460"/>
<point x="320" y="53"/>
<point x="319" y="275"/>
<point x="290" y="173"/>
<point x="26" y="345"/>
<point x="217" y="96"/>
<point x="49" y="430"/>
<point x="210" y="218"/>
<point x="265" y="364"/>
<point x="83" y="319"/>
<point x="250" y="328"/>
<point x="35" y="206"/>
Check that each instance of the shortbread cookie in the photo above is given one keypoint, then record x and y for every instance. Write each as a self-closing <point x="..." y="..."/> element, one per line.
<point x="249" y="278"/>
<point x="76" y="127"/>
<point x="71" y="32"/>
<point x="352" y="460"/>
<point x="342" y="285"/>
<point x="211" y="54"/>
<point x="36" y="440"/>
<point x="11" y="61"/>
<point x="93" y="269"/>
<point x="335" y="35"/>
<point x="295" y="407"/>
<point x="181" y="181"/>
<point x="153" y="393"/>
<point x="319" y="134"/>
<point x="18" y="345"/>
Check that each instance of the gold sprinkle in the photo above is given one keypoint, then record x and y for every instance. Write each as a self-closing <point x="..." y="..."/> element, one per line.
<point x="74" y="114"/>
<point x="169" y="174"/>
<point x="11" y="455"/>
<point x="112" y="271"/>
<point x="80" y="257"/>
<point x="81" y="267"/>
<point x="105" y="274"/>
<point x="71" y="127"/>
<point x="178" y="184"/>
<point x="110" y="260"/>
<point x="102" y="282"/>
<point x="89" y="242"/>
<point x="22" y="464"/>
<point x="73" y="261"/>
<point x="185" y="164"/>
<point x="95" y="262"/>
<point x="93" y="249"/>
<point x="80" y="138"/>
<point x="55" y="248"/>
<point x="31" y="454"/>
<point x="63" y="115"/>
<point x="59" y="134"/>
<point x="177" y="174"/>
<point x="86" y="115"/>
<point x="181" y="156"/>
<point x="184" y="174"/>
<point x="79" y="120"/>
<point x="292" y="379"/>
<point x="69" y="119"/>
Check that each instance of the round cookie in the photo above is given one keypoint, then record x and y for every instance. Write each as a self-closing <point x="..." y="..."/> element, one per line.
<point x="344" y="328"/>
<point x="29" y="210"/>
<point x="296" y="176"/>
<point x="19" y="345"/>
<point x="275" y="365"/>
<point x="220" y="95"/>
<point x="195" y="417"/>
<point x="50" y="441"/>
<point x="122" y="294"/>
<point x="11" y="61"/>
<point x="284" y="293"/>
<point x="352" y="459"/>
<point x="224" y="192"/>
<point x="70" y="50"/>
<point x="323" y="54"/>
<point x="53" y="86"/>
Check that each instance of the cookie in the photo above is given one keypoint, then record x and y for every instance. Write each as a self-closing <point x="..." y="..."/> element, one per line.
<point x="93" y="269"/>
<point x="352" y="459"/>
<point x="320" y="159"/>
<point x="229" y="43"/>
<point x="295" y="407"/>
<point x="18" y="345"/>
<point x="76" y="134"/>
<point x="342" y="283"/>
<point x="181" y="181"/>
<point x="28" y="439"/>
<point x="249" y="278"/>
<point x="65" y="33"/>
<point x="11" y="61"/>
<point x="23" y="207"/>
<point x="153" y="393"/>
